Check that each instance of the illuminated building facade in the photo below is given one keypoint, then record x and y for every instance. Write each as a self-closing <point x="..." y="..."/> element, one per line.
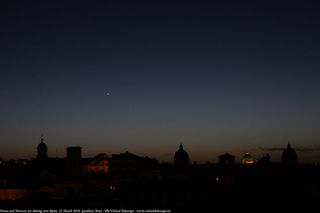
<point x="248" y="159"/>
<point x="98" y="164"/>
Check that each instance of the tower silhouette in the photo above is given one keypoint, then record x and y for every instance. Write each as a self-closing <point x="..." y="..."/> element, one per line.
<point x="289" y="156"/>
<point x="181" y="157"/>
<point x="73" y="160"/>
<point x="42" y="150"/>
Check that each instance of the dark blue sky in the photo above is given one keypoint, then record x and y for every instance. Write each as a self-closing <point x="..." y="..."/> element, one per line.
<point x="218" y="76"/>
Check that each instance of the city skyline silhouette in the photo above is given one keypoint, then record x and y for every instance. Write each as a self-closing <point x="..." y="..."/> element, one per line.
<point x="127" y="182"/>
<point x="170" y="156"/>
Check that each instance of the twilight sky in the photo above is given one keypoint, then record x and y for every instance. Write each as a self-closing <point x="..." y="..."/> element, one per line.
<point x="143" y="76"/>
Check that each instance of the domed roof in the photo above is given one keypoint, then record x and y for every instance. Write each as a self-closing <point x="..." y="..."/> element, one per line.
<point x="42" y="145"/>
<point x="181" y="157"/>
<point x="248" y="159"/>
<point x="247" y="156"/>
<point x="42" y="151"/>
<point x="289" y="156"/>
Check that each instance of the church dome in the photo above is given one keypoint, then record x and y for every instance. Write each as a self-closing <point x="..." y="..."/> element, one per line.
<point x="42" y="146"/>
<point x="181" y="157"/>
<point x="42" y="150"/>
<point x="289" y="156"/>
<point x="248" y="159"/>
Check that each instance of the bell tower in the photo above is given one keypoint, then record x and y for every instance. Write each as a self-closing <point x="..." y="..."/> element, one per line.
<point x="42" y="150"/>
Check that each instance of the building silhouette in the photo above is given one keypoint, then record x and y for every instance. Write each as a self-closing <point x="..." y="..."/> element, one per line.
<point x="181" y="157"/>
<point x="226" y="159"/>
<point x="265" y="159"/>
<point x="42" y="150"/>
<point x="289" y="156"/>
<point x="127" y="163"/>
<point x="73" y="160"/>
